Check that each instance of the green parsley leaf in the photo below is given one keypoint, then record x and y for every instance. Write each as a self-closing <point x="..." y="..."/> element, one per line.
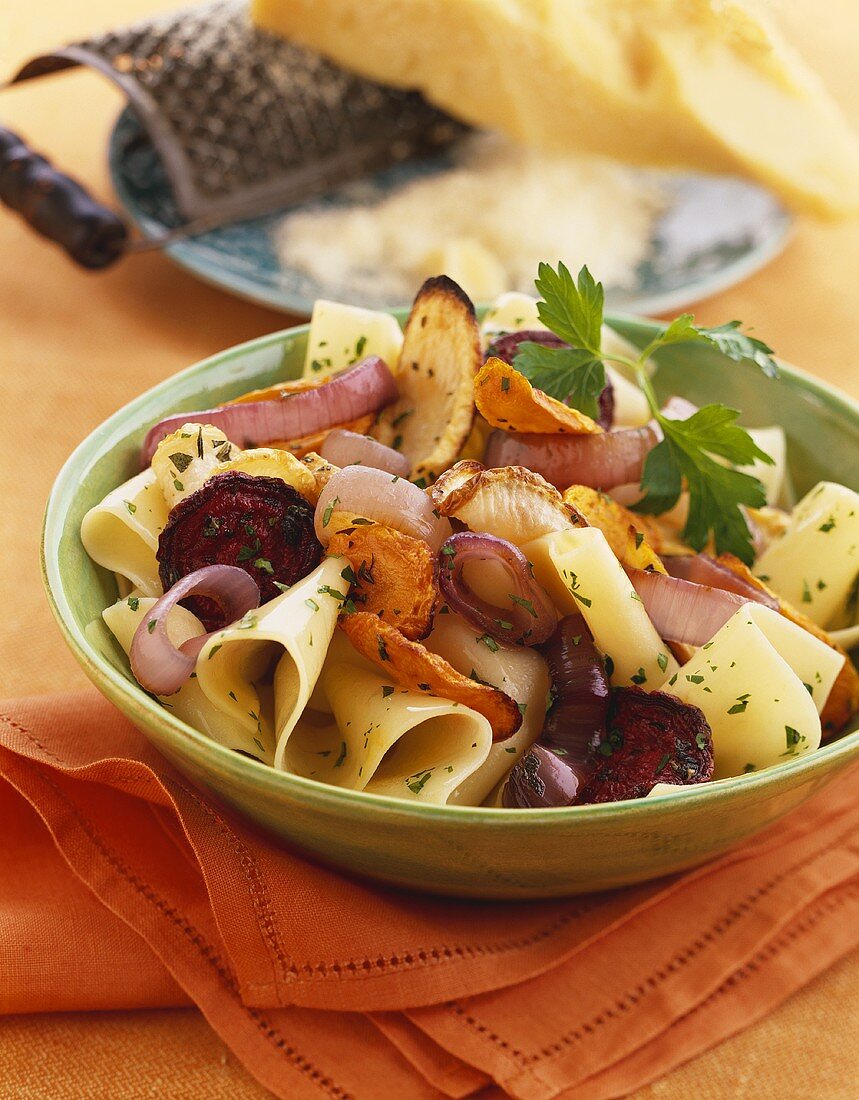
<point x="326" y="515"/>
<point x="570" y="375"/>
<point x="133" y="602"/>
<point x="181" y="461"/>
<point x="727" y="338"/>
<point x="715" y="491"/>
<point x="264" y="564"/>
<point x="572" y="309"/>
<point x="416" y="782"/>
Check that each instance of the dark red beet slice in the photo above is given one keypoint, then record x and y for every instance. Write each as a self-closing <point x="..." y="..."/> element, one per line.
<point x="650" y="738"/>
<point x="506" y="346"/>
<point x="261" y="524"/>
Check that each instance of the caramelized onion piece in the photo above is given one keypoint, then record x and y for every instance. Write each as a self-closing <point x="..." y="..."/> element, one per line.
<point x="365" y="494"/>
<point x="581" y="692"/>
<point x="683" y="611"/>
<point x="364" y="388"/>
<point x="702" y="569"/>
<point x="599" y="461"/>
<point x="528" y="616"/>
<point x="344" y="448"/>
<point x="539" y="781"/>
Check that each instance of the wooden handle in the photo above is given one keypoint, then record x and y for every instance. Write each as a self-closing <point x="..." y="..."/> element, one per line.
<point x="57" y="206"/>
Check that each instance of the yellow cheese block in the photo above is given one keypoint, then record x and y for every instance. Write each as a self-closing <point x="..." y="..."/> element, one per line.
<point x="707" y="84"/>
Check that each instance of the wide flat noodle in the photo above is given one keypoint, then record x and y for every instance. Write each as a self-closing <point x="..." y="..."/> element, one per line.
<point x="814" y="565"/>
<point x="518" y="671"/>
<point x="369" y="734"/>
<point x="188" y="703"/>
<point x="758" y="708"/>
<point x="121" y="533"/>
<point x="291" y="633"/>
<point x="843" y="699"/>
<point x="581" y="574"/>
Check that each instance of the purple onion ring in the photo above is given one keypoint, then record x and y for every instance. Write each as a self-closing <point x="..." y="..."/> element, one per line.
<point x="529" y="617"/>
<point x="157" y="664"/>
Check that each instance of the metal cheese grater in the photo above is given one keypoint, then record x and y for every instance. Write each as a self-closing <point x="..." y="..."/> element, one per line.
<point x="244" y="123"/>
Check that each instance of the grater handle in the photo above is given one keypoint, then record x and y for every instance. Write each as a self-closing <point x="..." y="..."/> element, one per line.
<point x="57" y="206"/>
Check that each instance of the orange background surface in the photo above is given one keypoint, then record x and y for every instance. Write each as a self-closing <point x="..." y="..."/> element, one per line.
<point x="74" y="347"/>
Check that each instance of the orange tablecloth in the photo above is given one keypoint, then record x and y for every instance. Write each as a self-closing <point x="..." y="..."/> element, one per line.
<point x="74" y="347"/>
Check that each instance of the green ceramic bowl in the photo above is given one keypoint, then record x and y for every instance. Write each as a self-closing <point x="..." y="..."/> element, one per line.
<point x="463" y="852"/>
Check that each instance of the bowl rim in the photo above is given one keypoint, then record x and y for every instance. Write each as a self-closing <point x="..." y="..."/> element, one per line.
<point x="115" y="686"/>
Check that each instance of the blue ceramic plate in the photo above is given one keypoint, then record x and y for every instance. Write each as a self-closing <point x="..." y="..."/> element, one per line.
<point x="715" y="231"/>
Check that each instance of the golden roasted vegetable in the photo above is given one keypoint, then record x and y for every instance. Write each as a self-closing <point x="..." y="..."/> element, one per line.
<point x="412" y="665"/>
<point x="629" y="535"/>
<point x="507" y="400"/>
<point x="391" y="576"/>
<point x="511" y="502"/>
<point x="431" y="420"/>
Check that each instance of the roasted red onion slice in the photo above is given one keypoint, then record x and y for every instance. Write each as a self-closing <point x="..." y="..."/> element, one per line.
<point x="156" y="663"/>
<point x="539" y="781"/>
<point x="683" y="611"/>
<point x="364" y="388"/>
<point x="528" y="615"/>
<point x="702" y="569"/>
<point x="507" y="345"/>
<point x="342" y="448"/>
<point x="374" y="495"/>
<point x="581" y="692"/>
<point x="600" y="461"/>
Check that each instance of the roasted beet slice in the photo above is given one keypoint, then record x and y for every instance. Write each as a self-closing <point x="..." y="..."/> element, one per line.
<point x="506" y="346"/>
<point x="650" y="738"/>
<point x="261" y="524"/>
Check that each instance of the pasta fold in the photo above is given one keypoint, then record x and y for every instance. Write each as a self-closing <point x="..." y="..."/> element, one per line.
<point x="382" y="738"/>
<point x="287" y="637"/>
<point x="121" y="533"/>
<point x="814" y="564"/>
<point x="581" y="574"/>
<point x="758" y="708"/>
<point x="518" y="671"/>
<point x="188" y="703"/>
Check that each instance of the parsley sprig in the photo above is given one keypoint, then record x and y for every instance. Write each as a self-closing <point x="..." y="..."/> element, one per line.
<point x="573" y="310"/>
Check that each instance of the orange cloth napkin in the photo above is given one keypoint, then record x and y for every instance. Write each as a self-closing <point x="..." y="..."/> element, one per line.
<point x="121" y="886"/>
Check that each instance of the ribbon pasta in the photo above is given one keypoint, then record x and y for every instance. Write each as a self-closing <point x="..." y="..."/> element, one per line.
<point x="121" y="533"/>
<point x="815" y="563"/>
<point x="188" y="703"/>
<point x="518" y="671"/>
<point x="291" y="633"/>
<point x="757" y="700"/>
<point x="581" y="574"/>
<point x="371" y="735"/>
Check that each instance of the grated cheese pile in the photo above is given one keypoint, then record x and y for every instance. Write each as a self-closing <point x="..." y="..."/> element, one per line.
<point x="487" y="222"/>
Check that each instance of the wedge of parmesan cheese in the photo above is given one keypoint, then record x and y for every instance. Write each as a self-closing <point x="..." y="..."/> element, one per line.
<point x="707" y="84"/>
